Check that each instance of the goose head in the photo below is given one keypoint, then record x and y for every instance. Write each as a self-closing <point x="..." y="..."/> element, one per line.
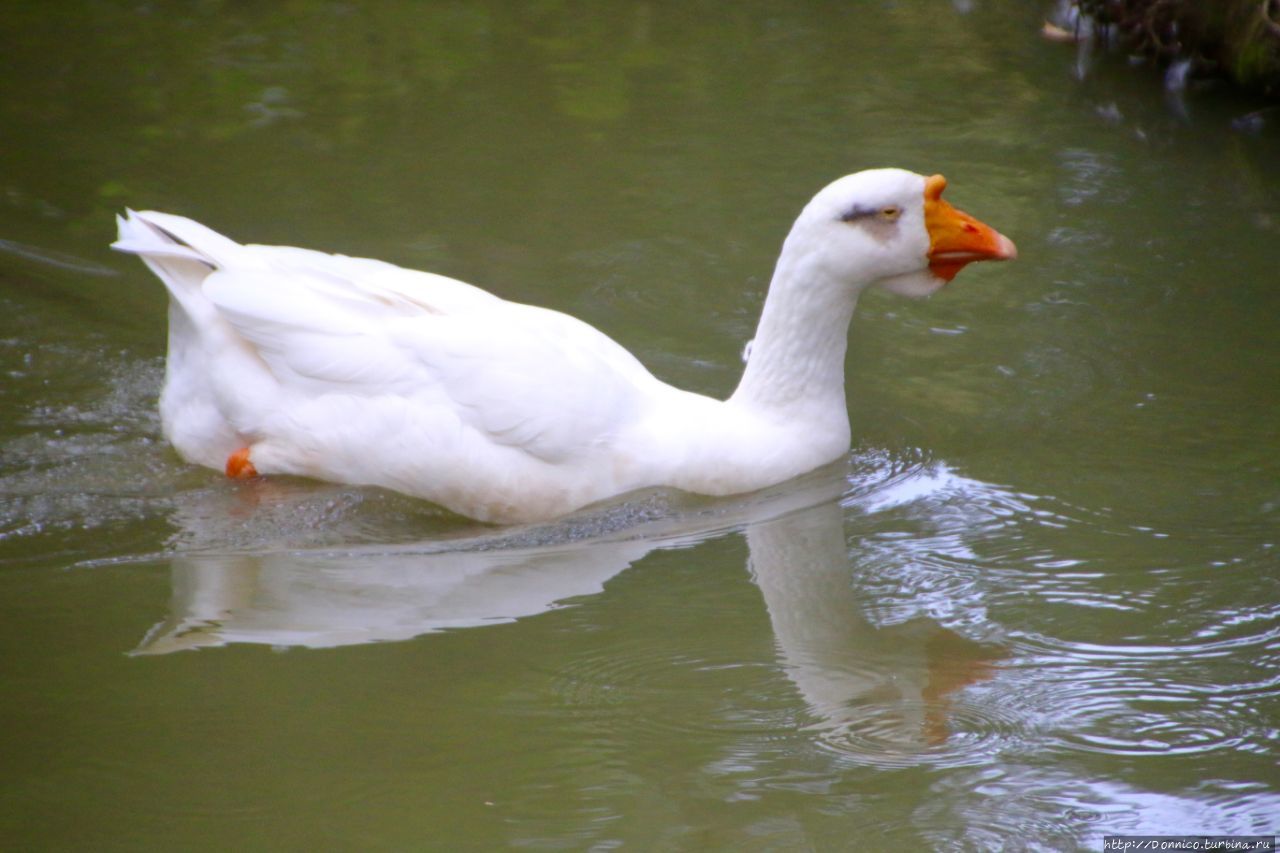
<point x="890" y="228"/>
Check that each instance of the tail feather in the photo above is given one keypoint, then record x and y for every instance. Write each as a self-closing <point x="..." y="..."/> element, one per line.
<point x="180" y="252"/>
<point x="163" y="235"/>
<point x="137" y="237"/>
<point x="183" y="255"/>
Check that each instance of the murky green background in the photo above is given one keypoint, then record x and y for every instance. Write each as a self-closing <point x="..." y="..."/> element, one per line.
<point x="1039" y="603"/>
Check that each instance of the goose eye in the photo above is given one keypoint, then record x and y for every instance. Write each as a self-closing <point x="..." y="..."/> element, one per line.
<point x="890" y="214"/>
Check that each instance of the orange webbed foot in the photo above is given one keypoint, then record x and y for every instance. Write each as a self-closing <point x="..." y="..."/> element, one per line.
<point x="239" y="467"/>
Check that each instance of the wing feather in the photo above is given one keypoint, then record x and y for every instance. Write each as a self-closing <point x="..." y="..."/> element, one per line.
<point x="520" y="376"/>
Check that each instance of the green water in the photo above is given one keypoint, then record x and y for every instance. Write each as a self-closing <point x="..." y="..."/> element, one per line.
<point x="1037" y="604"/>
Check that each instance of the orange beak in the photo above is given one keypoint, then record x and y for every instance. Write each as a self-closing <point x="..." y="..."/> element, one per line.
<point x="956" y="238"/>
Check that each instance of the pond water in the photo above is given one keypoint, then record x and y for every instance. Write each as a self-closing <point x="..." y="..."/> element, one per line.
<point x="1037" y="604"/>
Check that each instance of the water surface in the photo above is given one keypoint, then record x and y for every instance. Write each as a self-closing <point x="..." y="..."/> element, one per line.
<point x="1038" y="603"/>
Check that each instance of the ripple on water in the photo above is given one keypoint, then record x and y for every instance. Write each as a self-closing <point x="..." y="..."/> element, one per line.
<point x="661" y="690"/>
<point x="1131" y="700"/>
<point x="1006" y="806"/>
<point x="1178" y="665"/>
<point x="1016" y="805"/>
<point x="72" y="468"/>
<point x="897" y="732"/>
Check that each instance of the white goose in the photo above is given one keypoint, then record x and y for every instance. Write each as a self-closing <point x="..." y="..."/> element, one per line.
<point x="290" y="361"/>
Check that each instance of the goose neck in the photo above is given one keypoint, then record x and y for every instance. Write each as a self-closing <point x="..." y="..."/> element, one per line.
<point x="796" y="360"/>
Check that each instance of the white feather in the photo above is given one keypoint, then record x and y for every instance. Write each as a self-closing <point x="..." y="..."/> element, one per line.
<point x="358" y="371"/>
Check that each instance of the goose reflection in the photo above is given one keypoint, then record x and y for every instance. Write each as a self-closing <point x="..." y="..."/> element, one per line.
<point x="850" y="672"/>
<point x="891" y="684"/>
<point x="319" y="600"/>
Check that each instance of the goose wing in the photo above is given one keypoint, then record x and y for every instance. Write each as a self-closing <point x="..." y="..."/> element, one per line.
<point x="520" y="376"/>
